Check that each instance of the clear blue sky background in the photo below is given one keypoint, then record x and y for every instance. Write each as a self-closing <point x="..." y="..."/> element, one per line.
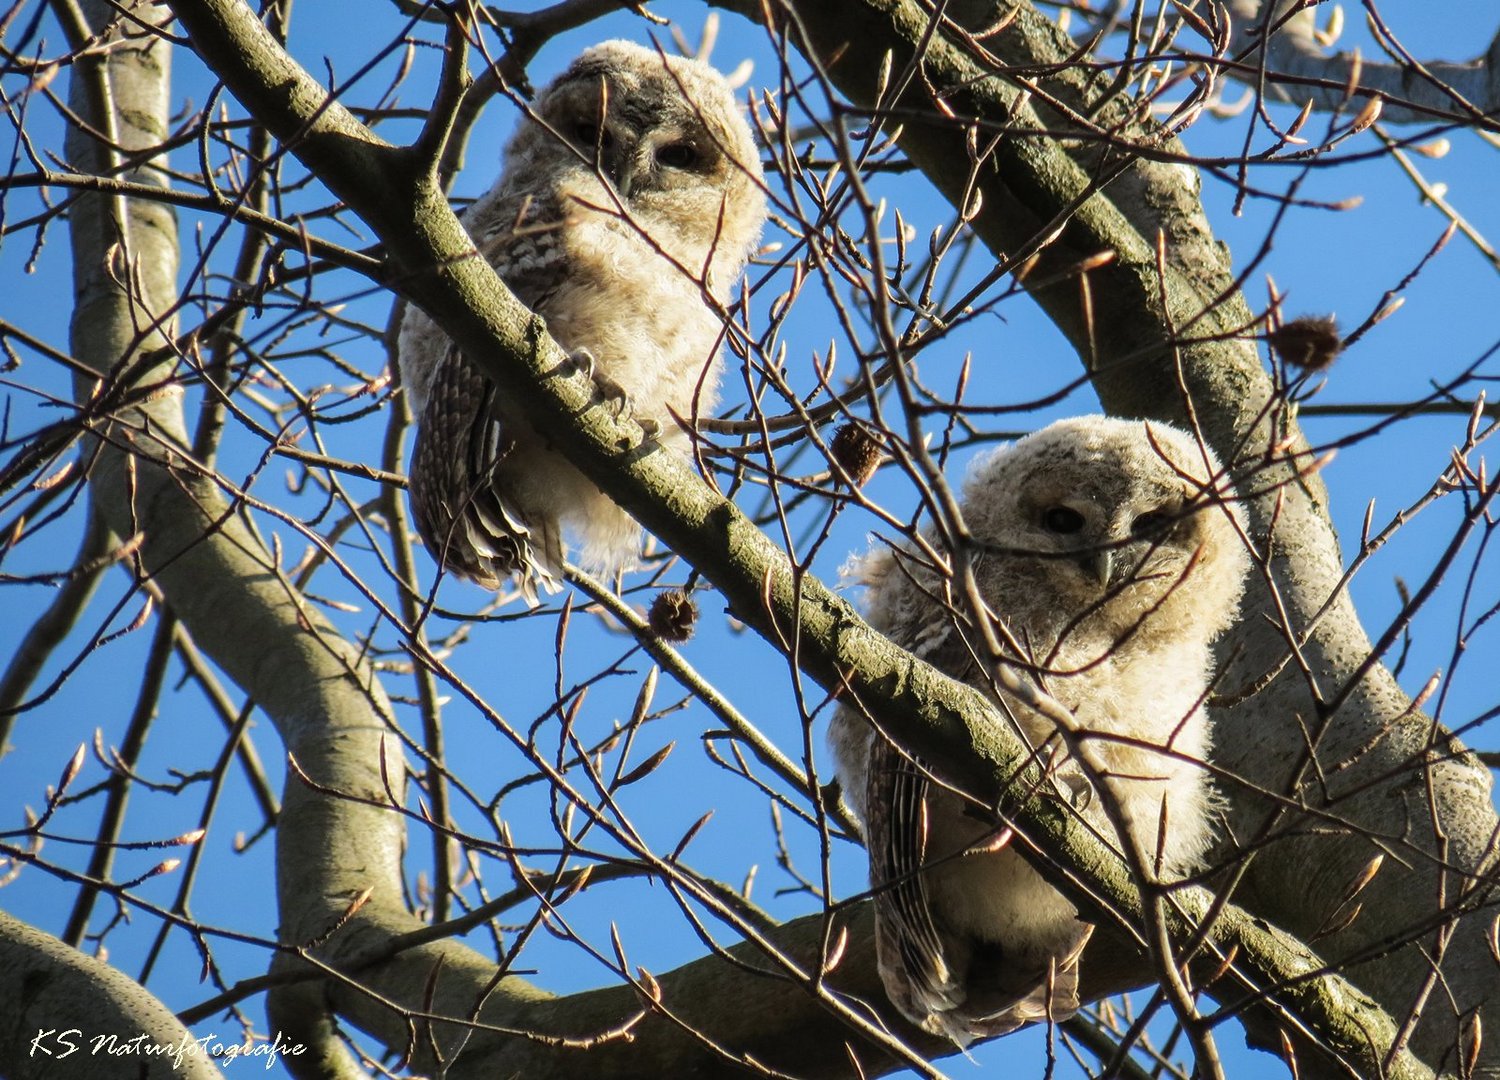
<point x="1324" y="262"/>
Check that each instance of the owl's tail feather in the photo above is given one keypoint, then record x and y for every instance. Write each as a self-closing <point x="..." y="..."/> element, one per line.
<point x="986" y="1011"/>
<point x="1052" y="997"/>
<point x="504" y="547"/>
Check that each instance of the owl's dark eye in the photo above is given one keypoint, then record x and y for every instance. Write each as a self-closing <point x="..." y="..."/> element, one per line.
<point x="1151" y="523"/>
<point x="1063" y="520"/>
<point x="678" y="155"/>
<point x="588" y="134"/>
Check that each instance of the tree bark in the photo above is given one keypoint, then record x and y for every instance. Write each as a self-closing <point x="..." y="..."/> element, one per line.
<point x="71" y="1017"/>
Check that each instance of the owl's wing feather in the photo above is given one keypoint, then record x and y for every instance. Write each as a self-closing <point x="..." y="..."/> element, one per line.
<point x="461" y="515"/>
<point x="909" y="951"/>
<point x="949" y="983"/>
<point x="524" y="244"/>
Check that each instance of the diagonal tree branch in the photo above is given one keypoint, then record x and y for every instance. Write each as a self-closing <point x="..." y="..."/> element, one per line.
<point x="1173" y="346"/>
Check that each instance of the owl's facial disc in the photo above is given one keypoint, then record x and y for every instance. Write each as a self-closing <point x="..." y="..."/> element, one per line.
<point x="1079" y="528"/>
<point x="1115" y="547"/>
<point x="610" y="145"/>
<point x="639" y="137"/>
<point x="636" y="162"/>
<point x="1161" y="544"/>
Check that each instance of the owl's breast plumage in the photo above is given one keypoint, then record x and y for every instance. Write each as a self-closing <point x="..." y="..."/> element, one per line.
<point x="608" y="286"/>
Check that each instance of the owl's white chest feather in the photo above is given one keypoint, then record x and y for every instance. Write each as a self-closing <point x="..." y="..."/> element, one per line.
<point x="643" y="318"/>
<point x="1002" y="897"/>
<point x="1141" y="722"/>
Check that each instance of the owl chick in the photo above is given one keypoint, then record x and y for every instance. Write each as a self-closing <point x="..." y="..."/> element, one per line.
<point x="1106" y="549"/>
<point x="628" y="204"/>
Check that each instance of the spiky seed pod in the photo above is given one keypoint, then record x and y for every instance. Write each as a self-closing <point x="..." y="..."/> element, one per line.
<point x="673" y="615"/>
<point x="857" y="452"/>
<point x="1311" y="342"/>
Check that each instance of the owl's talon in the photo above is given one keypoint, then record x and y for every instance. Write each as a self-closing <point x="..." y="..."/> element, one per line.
<point x="583" y="361"/>
<point x="649" y="426"/>
<point x="1077" y="789"/>
<point x="614" y="393"/>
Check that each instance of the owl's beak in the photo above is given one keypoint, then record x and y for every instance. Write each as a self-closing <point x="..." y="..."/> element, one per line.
<point x="613" y="159"/>
<point x="1099" y="565"/>
<point x="622" y="172"/>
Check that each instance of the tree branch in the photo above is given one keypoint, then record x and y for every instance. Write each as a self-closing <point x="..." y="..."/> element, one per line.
<point x="1164" y="333"/>
<point x="57" y="1001"/>
<point x="1299" y="69"/>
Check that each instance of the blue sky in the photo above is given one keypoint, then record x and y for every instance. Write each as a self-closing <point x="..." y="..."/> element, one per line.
<point x="1322" y="262"/>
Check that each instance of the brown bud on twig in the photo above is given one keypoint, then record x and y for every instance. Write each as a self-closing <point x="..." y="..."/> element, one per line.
<point x="1475" y="1042"/>
<point x="856" y="452"/>
<point x="673" y="615"/>
<point x="1289" y="1055"/>
<point x="1310" y="341"/>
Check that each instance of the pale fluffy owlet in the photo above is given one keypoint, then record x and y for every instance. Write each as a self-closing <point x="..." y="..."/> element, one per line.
<point x="627" y="207"/>
<point x="1108" y="550"/>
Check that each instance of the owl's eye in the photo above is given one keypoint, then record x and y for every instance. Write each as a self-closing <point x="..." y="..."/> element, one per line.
<point x="1151" y="522"/>
<point x="1063" y="520"/>
<point x="677" y="155"/>
<point x="588" y="134"/>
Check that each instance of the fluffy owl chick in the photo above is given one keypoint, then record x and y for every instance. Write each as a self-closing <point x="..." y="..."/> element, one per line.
<point x="1107" y="551"/>
<point x="629" y="197"/>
